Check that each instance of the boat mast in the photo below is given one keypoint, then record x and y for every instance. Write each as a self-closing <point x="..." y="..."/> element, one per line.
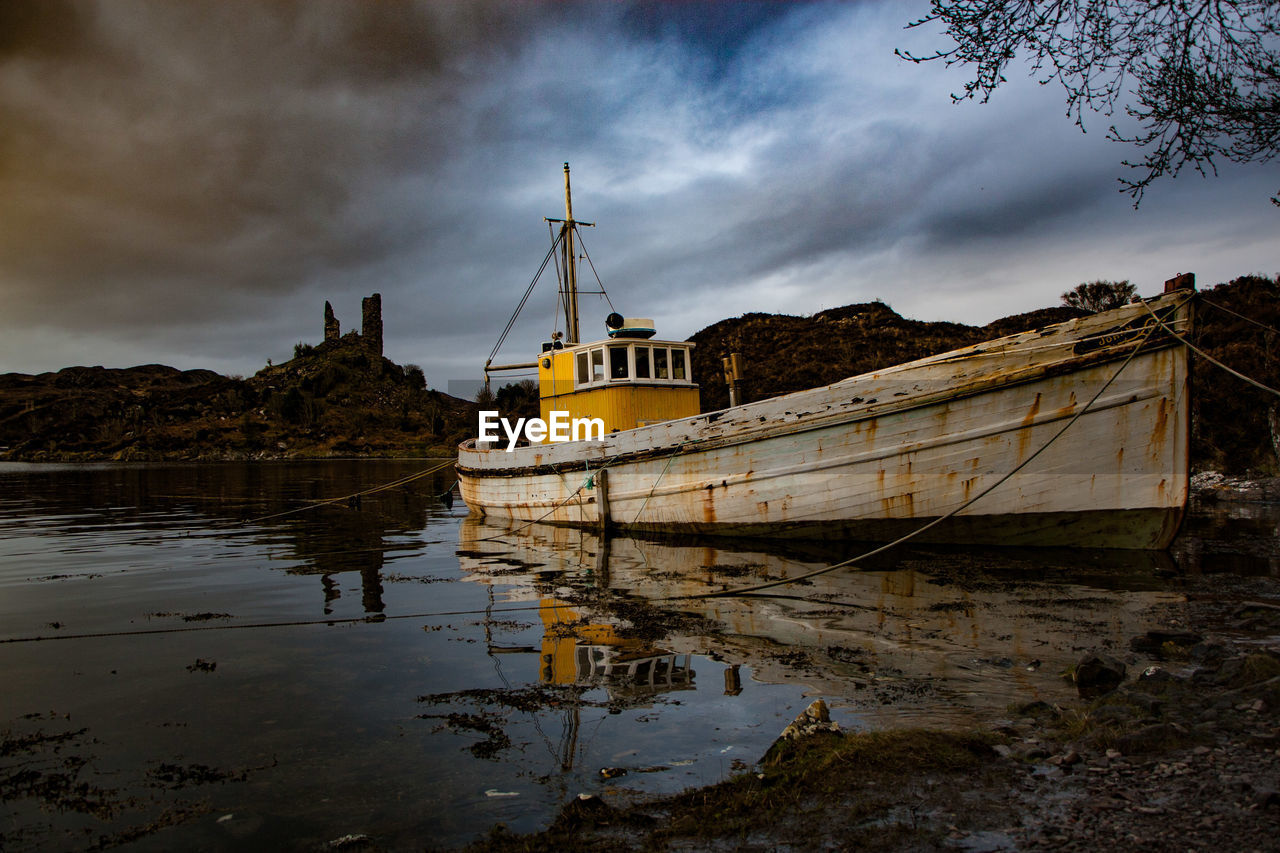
<point x="570" y="267"/>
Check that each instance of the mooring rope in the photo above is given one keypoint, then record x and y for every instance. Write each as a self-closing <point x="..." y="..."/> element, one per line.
<point x="371" y="619"/>
<point x="1195" y="349"/>
<point x="927" y="526"/>
<point x="670" y="459"/>
<point x="545" y="515"/>
<point x="586" y="483"/>
<point x="293" y="623"/>
<point x="384" y="487"/>
<point x="1226" y="310"/>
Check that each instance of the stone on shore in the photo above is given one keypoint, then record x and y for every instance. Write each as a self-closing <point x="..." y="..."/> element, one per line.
<point x="814" y="720"/>
<point x="1098" y="673"/>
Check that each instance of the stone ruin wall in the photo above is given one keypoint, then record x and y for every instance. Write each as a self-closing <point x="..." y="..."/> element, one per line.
<point x="332" y="331"/>
<point x="370" y="334"/>
<point x="371" y="322"/>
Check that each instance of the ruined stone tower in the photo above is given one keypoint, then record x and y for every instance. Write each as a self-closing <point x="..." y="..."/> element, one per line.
<point x="371" y="323"/>
<point x="370" y="334"/>
<point x="332" y="331"/>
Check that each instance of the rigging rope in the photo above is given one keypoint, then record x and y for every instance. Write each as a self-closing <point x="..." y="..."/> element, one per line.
<point x="555" y="259"/>
<point x="587" y="255"/>
<point x="550" y="254"/>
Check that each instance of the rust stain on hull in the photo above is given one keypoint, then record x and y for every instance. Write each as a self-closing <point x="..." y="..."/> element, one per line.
<point x="949" y="427"/>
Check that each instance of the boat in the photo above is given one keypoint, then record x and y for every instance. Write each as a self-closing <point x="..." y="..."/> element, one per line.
<point x="1075" y="435"/>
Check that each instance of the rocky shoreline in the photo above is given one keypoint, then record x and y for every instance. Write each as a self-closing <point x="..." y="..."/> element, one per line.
<point x="1184" y="756"/>
<point x="1216" y="486"/>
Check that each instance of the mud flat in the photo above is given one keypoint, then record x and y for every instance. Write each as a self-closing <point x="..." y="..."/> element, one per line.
<point x="1182" y="756"/>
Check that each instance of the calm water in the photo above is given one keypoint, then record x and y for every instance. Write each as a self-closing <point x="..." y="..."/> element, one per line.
<point x="181" y="670"/>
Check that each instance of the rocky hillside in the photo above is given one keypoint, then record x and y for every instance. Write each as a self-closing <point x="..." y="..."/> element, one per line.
<point x="342" y="399"/>
<point x="1235" y="428"/>
<point x="335" y="399"/>
<point x="783" y="353"/>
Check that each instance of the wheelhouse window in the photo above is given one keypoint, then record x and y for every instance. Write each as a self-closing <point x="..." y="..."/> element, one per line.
<point x="642" y="363"/>
<point x="618" y="362"/>
<point x="660" y="369"/>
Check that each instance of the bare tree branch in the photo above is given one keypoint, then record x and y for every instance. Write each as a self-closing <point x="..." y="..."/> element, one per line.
<point x="1199" y="79"/>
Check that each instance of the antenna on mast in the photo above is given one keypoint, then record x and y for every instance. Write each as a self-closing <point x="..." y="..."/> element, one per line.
<point x="570" y="267"/>
<point x="569" y="287"/>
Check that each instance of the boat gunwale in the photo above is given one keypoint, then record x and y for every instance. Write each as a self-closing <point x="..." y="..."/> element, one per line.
<point x="989" y="384"/>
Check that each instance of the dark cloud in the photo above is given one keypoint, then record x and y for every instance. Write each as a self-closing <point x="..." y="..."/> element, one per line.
<point x="189" y="182"/>
<point x="49" y="28"/>
<point x="167" y="152"/>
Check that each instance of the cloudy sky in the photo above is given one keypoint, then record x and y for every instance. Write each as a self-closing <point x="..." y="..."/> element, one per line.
<point x="187" y="183"/>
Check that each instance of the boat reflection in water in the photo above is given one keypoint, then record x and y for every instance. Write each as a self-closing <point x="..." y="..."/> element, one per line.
<point x="923" y="636"/>
<point x="575" y="651"/>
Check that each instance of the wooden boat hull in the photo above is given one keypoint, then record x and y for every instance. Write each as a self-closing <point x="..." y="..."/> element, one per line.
<point x="877" y="456"/>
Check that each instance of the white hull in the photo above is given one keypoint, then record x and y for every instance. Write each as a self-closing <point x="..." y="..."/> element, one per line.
<point x="878" y="455"/>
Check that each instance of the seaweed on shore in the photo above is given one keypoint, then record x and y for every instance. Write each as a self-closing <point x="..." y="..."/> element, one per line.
<point x="913" y="786"/>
